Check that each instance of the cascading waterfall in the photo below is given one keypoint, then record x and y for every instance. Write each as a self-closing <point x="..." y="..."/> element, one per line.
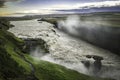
<point x="68" y="51"/>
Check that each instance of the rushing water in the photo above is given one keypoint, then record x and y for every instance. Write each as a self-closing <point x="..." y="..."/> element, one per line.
<point x="68" y="51"/>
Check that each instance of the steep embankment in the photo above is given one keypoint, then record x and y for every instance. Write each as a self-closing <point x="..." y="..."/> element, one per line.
<point x="15" y="65"/>
<point x="12" y="64"/>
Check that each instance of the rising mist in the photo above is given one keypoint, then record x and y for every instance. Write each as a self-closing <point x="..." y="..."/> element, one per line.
<point x="94" y="30"/>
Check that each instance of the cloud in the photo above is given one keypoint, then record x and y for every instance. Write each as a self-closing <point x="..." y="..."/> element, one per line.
<point x="59" y="8"/>
<point x="99" y="4"/>
<point x="82" y="7"/>
<point x="68" y="8"/>
<point x="35" y="12"/>
<point x="2" y="2"/>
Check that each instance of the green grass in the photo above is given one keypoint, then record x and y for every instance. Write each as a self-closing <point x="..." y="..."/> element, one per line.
<point x="18" y="58"/>
<point x="11" y="63"/>
<point x="10" y="46"/>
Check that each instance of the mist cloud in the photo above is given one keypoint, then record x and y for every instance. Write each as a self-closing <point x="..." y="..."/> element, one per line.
<point x="74" y="23"/>
<point x="94" y="30"/>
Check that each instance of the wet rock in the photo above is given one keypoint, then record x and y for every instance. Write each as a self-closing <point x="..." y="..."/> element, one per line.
<point x="88" y="56"/>
<point x="86" y="63"/>
<point x="31" y="44"/>
<point x="41" y="19"/>
<point x="98" y="58"/>
<point x="53" y="30"/>
<point x="97" y="65"/>
<point x="95" y="57"/>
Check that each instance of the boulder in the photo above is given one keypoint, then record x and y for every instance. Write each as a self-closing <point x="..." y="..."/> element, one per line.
<point x="97" y="58"/>
<point x="86" y="63"/>
<point x="88" y="56"/>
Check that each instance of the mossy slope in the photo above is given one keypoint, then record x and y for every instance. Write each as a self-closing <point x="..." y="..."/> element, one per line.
<point x="11" y="63"/>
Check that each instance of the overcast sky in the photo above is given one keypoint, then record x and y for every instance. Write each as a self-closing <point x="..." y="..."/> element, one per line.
<point x="17" y="7"/>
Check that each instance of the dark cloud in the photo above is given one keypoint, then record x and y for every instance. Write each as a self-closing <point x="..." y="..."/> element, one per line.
<point x="89" y="10"/>
<point x="2" y="2"/>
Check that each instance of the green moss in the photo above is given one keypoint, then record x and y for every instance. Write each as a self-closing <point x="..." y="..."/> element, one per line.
<point x="10" y="46"/>
<point x="12" y="65"/>
<point x="18" y="59"/>
<point x="8" y="67"/>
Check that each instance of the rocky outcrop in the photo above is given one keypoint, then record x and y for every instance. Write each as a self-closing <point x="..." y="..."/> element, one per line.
<point x="31" y="44"/>
<point x="52" y="21"/>
<point x="95" y="57"/>
<point x="5" y="24"/>
<point x="97" y="65"/>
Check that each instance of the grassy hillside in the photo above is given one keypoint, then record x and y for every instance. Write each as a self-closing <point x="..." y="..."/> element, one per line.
<point x="11" y="63"/>
<point x="16" y="65"/>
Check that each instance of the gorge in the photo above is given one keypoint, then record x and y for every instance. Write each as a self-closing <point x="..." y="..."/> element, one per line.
<point x="68" y="51"/>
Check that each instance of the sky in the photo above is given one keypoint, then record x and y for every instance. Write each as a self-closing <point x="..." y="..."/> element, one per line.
<point x="25" y="7"/>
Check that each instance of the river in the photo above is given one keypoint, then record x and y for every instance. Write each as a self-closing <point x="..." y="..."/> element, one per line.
<point x="68" y="51"/>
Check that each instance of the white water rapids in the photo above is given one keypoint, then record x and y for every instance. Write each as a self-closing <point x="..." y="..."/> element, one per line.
<point x="66" y="50"/>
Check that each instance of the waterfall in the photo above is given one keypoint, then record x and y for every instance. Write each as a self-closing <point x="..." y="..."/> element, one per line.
<point x="68" y="51"/>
